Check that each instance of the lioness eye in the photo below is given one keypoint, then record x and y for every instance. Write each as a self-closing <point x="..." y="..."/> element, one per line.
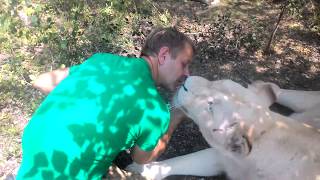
<point x="232" y="125"/>
<point x="210" y="103"/>
<point x="217" y="130"/>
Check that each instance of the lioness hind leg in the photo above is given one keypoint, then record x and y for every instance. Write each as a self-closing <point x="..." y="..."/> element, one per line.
<point x="298" y="101"/>
<point x="310" y="117"/>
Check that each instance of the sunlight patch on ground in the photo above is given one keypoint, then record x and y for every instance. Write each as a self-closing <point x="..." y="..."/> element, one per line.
<point x="261" y="69"/>
<point x="227" y="67"/>
<point x="278" y="50"/>
<point x="314" y="69"/>
<point x="300" y="49"/>
<point x="295" y="25"/>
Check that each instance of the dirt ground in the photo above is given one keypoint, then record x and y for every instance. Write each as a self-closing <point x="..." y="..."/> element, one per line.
<point x="230" y="53"/>
<point x="293" y="64"/>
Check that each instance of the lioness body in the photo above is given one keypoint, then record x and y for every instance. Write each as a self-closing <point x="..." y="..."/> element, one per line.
<point x="248" y="140"/>
<point x="286" y="150"/>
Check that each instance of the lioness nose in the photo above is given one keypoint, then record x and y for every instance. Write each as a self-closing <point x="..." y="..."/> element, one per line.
<point x="184" y="87"/>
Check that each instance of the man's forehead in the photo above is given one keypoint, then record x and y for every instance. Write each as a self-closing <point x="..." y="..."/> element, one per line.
<point x="188" y="53"/>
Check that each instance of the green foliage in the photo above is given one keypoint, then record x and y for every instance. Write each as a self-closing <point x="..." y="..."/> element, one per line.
<point x="308" y="10"/>
<point x="72" y="30"/>
<point x="8" y="132"/>
<point x="295" y="7"/>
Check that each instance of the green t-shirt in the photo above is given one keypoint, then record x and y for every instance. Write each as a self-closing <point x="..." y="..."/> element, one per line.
<point x="105" y="105"/>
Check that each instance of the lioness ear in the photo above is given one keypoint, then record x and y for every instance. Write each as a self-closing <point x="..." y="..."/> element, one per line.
<point x="162" y="55"/>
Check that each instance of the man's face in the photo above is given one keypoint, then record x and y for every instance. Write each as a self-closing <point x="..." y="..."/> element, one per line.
<point x="174" y="71"/>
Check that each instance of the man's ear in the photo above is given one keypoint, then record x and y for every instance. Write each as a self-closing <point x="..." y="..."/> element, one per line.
<point x="163" y="53"/>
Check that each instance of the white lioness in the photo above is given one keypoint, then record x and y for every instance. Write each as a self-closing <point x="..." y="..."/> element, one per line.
<point x="248" y="140"/>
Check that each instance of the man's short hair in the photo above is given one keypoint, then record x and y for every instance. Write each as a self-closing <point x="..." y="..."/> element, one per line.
<point x="169" y="37"/>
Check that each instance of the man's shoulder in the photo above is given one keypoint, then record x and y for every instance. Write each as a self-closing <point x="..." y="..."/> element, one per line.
<point x="102" y="59"/>
<point x="104" y="55"/>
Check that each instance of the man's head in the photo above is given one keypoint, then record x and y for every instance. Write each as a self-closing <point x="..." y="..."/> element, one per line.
<point x="173" y="51"/>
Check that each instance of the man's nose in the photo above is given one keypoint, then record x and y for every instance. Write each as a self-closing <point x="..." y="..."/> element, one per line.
<point x="184" y="78"/>
<point x="187" y="72"/>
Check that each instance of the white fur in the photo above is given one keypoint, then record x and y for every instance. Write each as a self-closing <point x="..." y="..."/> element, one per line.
<point x="232" y="119"/>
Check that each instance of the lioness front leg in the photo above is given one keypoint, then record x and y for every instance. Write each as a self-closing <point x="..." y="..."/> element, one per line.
<point x="202" y="163"/>
<point x="298" y="101"/>
<point x="208" y="162"/>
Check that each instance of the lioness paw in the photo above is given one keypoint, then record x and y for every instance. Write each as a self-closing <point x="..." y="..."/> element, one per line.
<point x="134" y="167"/>
<point x="152" y="170"/>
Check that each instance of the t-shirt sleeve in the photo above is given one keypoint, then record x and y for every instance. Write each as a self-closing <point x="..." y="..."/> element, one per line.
<point x="75" y="68"/>
<point x="151" y="134"/>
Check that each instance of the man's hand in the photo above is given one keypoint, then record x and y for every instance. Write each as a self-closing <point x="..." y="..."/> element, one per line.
<point x="143" y="157"/>
<point x="46" y="82"/>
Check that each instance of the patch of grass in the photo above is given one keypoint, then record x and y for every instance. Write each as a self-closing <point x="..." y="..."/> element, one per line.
<point x="9" y="133"/>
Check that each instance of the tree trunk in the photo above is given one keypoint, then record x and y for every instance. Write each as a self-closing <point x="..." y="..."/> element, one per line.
<point x="267" y="49"/>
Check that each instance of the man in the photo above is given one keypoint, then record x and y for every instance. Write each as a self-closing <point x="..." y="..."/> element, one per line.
<point x="103" y="106"/>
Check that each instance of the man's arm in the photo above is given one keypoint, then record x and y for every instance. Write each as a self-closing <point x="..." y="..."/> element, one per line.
<point x="46" y="82"/>
<point x="143" y="157"/>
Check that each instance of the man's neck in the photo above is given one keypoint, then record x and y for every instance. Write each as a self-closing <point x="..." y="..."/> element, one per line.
<point x="154" y="67"/>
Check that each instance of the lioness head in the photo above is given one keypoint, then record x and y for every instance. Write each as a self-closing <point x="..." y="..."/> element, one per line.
<point x="214" y="112"/>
